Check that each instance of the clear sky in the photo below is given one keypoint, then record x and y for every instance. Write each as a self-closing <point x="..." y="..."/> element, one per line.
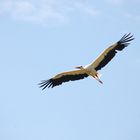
<point x="40" y="38"/>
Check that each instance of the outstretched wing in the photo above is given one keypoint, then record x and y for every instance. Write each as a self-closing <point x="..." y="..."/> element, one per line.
<point x="63" y="77"/>
<point x="110" y="52"/>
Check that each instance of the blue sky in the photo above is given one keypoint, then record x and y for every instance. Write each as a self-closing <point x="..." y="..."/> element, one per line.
<point x="42" y="38"/>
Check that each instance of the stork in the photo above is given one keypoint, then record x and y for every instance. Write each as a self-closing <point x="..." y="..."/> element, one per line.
<point x="91" y="69"/>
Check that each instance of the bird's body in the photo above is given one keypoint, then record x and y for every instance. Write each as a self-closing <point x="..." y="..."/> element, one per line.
<point x="91" y="69"/>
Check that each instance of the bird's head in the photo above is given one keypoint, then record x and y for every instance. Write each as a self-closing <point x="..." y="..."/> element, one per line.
<point x="79" y="67"/>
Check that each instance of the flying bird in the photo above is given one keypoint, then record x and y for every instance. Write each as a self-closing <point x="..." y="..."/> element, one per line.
<point x="90" y="69"/>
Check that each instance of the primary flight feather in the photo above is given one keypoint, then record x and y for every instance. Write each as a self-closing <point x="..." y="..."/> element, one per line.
<point x="91" y="69"/>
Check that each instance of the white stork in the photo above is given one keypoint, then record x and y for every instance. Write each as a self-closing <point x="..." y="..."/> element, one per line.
<point x="91" y="69"/>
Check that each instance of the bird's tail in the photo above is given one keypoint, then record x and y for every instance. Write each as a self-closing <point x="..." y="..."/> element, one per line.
<point x="99" y="75"/>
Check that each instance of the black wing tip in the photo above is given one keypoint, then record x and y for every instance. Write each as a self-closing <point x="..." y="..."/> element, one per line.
<point x="46" y="83"/>
<point x="125" y="41"/>
<point x="127" y="38"/>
